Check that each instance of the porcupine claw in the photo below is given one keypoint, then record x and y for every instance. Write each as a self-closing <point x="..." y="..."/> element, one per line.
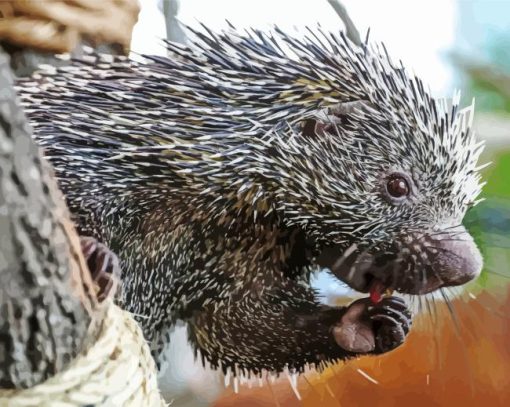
<point x="103" y="265"/>
<point x="373" y="328"/>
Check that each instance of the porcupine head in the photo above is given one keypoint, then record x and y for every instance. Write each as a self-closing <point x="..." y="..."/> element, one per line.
<point x="394" y="187"/>
<point x="237" y="142"/>
<point x="380" y="175"/>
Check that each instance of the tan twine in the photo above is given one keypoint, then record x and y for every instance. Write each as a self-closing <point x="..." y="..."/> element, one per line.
<point x="59" y="25"/>
<point x="116" y="370"/>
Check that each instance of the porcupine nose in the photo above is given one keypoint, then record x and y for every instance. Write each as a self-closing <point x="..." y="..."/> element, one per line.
<point x="456" y="258"/>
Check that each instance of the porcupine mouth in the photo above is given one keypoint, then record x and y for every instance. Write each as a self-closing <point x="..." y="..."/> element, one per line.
<point x="412" y="266"/>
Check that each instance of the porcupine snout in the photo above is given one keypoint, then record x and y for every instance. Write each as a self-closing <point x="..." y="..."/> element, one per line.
<point x="454" y="256"/>
<point x="413" y="264"/>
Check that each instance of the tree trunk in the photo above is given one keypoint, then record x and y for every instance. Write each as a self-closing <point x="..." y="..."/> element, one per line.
<point x="46" y="295"/>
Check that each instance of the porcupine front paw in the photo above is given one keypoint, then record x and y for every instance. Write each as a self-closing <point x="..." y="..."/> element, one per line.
<point x="373" y="328"/>
<point x="103" y="265"/>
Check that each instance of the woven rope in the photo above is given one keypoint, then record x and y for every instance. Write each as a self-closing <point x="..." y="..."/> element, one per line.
<point x="59" y="25"/>
<point x="117" y="370"/>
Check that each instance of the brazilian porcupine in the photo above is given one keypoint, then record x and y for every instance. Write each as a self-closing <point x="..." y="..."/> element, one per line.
<point x="224" y="175"/>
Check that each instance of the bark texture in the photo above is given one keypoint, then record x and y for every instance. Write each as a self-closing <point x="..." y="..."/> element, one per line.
<point x="46" y="295"/>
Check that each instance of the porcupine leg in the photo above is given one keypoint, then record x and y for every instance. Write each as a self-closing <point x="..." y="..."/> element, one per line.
<point x="287" y="327"/>
<point x="103" y="265"/>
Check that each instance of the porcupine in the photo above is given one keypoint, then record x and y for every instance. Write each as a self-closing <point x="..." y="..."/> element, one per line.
<point x="225" y="174"/>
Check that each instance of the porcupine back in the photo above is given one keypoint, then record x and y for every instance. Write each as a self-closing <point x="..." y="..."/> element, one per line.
<point x="224" y="91"/>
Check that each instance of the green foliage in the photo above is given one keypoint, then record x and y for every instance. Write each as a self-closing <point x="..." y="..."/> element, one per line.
<point x="487" y="77"/>
<point x="498" y="183"/>
<point x="489" y="222"/>
<point x="488" y="97"/>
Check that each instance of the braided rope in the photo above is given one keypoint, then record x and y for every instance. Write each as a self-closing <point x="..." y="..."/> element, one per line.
<point x="59" y="25"/>
<point x="116" y="370"/>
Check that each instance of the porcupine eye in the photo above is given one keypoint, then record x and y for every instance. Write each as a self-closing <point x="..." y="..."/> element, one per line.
<point x="397" y="186"/>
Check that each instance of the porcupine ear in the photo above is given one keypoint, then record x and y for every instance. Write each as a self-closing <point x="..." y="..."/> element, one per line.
<point x="325" y="120"/>
<point x="312" y="128"/>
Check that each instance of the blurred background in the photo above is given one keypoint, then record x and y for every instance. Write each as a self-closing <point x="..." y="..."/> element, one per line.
<point x="451" y="44"/>
<point x="457" y="352"/>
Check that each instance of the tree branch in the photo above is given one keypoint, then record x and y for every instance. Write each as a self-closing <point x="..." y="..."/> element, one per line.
<point x="46" y="295"/>
<point x="351" y="30"/>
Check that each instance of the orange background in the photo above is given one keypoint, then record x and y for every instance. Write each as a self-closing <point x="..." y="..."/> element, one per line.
<point x="442" y="363"/>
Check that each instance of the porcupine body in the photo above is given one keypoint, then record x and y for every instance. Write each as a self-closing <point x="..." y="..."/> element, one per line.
<point x="225" y="174"/>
